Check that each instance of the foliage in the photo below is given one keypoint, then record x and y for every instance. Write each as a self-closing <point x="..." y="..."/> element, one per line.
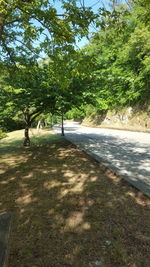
<point x="75" y="113"/>
<point x="122" y="55"/>
<point x="53" y="86"/>
<point x="27" y="30"/>
<point x="27" y="27"/>
<point x="111" y="71"/>
<point x="142" y="11"/>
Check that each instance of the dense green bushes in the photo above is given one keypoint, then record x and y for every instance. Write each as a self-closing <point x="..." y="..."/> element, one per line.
<point x="75" y="113"/>
<point x="12" y="125"/>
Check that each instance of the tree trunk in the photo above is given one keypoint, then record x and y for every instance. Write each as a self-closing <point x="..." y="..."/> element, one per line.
<point x="51" y="121"/>
<point x="27" y="139"/>
<point x="39" y="125"/>
<point x="62" y="125"/>
<point x="29" y="118"/>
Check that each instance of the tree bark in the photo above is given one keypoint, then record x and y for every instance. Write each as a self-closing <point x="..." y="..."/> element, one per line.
<point x="62" y="125"/>
<point x="27" y="139"/>
<point x="29" y="118"/>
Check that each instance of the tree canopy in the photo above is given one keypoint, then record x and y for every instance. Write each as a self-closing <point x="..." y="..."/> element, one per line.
<point x="29" y="26"/>
<point x="122" y="56"/>
<point x="42" y="71"/>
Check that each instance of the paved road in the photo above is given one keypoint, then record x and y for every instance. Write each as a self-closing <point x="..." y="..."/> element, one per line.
<point x="127" y="153"/>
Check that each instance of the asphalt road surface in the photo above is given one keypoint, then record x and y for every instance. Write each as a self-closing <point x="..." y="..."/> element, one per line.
<point x="127" y="153"/>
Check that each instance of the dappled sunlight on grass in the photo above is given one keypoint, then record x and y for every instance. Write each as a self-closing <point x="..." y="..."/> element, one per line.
<point x="69" y="210"/>
<point x="25" y="200"/>
<point x="138" y="198"/>
<point x="75" y="220"/>
<point x="15" y="139"/>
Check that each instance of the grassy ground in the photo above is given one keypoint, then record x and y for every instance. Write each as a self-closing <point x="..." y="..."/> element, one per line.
<point x="67" y="209"/>
<point x="2" y="134"/>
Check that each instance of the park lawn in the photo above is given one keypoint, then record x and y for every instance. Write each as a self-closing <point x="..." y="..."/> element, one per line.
<point x="67" y="209"/>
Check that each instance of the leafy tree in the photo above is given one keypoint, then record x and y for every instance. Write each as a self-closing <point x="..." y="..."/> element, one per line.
<point x="121" y="72"/>
<point x="111" y="71"/>
<point x="23" y="93"/>
<point x="26" y="29"/>
<point x="54" y="87"/>
<point x="142" y="10"/>
<point x="29" y="26"/>
<point x="69" y="75"/>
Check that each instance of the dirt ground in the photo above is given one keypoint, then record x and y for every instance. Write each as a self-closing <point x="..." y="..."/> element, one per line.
<point x="69" y="210"/>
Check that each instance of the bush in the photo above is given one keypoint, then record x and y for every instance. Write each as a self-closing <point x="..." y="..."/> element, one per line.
<point x="91" y="111"/>
<point x="75" y="113"/>
<point x="9" y="124"/>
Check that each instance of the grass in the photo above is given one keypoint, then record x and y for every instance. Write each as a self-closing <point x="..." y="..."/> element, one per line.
<point x="2" y="134"/>
<point x="67" y="209"/>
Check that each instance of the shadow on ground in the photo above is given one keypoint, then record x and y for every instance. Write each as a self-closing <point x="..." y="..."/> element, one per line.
<point x="68" y="210"/>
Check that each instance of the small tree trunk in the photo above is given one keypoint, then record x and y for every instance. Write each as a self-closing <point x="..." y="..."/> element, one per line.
<point x="62" y="125"/>
<point x="51" y="121"/>
<point x="38" y="125"/>
<point x="27" y="139"/>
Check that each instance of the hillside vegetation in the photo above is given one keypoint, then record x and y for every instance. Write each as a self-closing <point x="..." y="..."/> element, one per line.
<point x="120" y="68"/>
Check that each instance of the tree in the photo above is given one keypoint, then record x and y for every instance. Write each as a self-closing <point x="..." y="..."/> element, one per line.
<point x="121" y="72"/>
<point x="142" y="10"/>
<point x="69" y="75"/>
<point x="29" y="26"/>
<point x="52" y="87"/>
<point x="24" y="93"/>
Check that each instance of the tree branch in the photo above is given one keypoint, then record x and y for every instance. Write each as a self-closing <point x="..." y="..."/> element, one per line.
<point x="8" y="51"/>
<point x="36" y="115"/>
<point x="36" y="111"/>
<point x="13" y="21"/>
